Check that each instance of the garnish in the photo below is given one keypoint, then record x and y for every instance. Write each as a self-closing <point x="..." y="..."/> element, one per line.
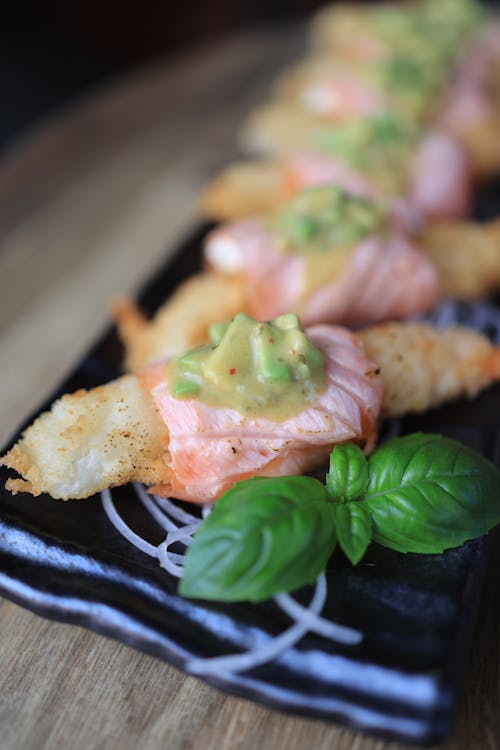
<point x="419" y="493"/>
<point x="427" y="493"/>
<point x="262" y="537"/>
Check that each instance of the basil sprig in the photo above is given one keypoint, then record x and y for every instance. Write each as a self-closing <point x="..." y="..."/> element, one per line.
<point x="420" y="493"/>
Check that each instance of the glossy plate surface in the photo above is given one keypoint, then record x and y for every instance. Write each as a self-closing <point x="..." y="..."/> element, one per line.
<point x="67" y="562"/>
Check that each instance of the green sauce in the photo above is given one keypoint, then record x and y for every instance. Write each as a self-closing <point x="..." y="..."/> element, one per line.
<point x="324" y="224"/>
<point x="325" y="218"/>
<point x="381" y="147"/>
<point x="270" y="370"/>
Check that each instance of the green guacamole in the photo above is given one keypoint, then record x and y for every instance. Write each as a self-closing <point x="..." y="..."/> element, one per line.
<point x="270" y="370"/>
<point x="325" y="224"/>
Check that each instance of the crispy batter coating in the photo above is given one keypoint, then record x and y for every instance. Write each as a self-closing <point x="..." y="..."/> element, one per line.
<point x="244" y="189"/>
<point x="182" y="322"/>
<point x="467" y="256"/>
<point x="336" y="27"/>
<point x="482" y="143"/>
<point x="278" y="127"/>
<point x="422" y="367"/>
<point x="91" y="440"/>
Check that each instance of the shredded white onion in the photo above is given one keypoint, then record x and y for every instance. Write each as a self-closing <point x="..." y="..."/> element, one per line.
<point x="318" y="624"/>
<point x="156" y="512"/>
<point x="167" y="514"/>
<point x="122" y="527"/>
<point x="173" y="510"/>
<point x="169" y="560"/>
<point x="270" y="650"/>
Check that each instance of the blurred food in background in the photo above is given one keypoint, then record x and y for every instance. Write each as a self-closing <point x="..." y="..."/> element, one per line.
<point x="50" y="52"/>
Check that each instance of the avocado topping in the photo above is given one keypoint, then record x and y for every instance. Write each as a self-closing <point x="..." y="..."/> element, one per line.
<point x="270" y="370"/>
<point x="325" y="218"/>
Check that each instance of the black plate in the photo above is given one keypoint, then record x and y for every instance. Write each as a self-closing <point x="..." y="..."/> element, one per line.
<point x="67" y="562"/>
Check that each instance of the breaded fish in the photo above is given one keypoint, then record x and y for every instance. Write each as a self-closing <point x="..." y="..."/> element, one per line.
<point x="465" y="256"/>
<point x="181" y="323"/>
<point x="92" y="440"/>
<point x="439" y="185"/>
<point x="127" y="429"/>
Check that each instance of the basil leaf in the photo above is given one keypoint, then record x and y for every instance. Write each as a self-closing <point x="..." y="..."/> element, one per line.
<point x="354" y="529"/>
<point x="427" y="493"/>
<point x="347" y="478"/>
<point x="263" y="537"/>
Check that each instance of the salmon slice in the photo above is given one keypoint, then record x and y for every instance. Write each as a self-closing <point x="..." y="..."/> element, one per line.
<point x="440" y="183"/>
<point x="211" y="448"/>
<point x="382" y="278"/>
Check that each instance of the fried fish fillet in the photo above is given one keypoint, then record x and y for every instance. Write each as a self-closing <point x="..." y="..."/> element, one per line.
<point x="439" y="185"/>
<point x="91" y="440"/>
<point x="114" y="434"/>
<point x="423" y="367"/>
<point x="245" y="188"/>
<point x="181" y="323"/>
<point x="465" y="254"/>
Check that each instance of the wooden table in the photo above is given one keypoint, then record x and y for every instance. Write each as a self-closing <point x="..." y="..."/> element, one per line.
<point x="88" y="206"/>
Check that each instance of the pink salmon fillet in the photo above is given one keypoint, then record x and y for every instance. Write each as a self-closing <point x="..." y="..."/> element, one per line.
<point x="211" y="448"/>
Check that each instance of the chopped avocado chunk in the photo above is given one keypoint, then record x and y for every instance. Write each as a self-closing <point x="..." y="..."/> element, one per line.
<point x="261" y="369"/>
<point x="185" y="387"/>
<point x="217" y="331"/>
<point x="193" y="358"/>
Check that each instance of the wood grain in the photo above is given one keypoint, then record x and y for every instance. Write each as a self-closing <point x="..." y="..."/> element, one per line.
<point x="88" y="207"/>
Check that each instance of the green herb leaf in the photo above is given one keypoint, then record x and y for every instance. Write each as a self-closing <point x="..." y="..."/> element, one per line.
<point x="428" y="493"/>
<point x="354" y="529"/>
<point x="347" y="478"/>
<point x="264" y="536"/>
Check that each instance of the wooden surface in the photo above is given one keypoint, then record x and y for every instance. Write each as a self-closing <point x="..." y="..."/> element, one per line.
<point x="88" y="206"/>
